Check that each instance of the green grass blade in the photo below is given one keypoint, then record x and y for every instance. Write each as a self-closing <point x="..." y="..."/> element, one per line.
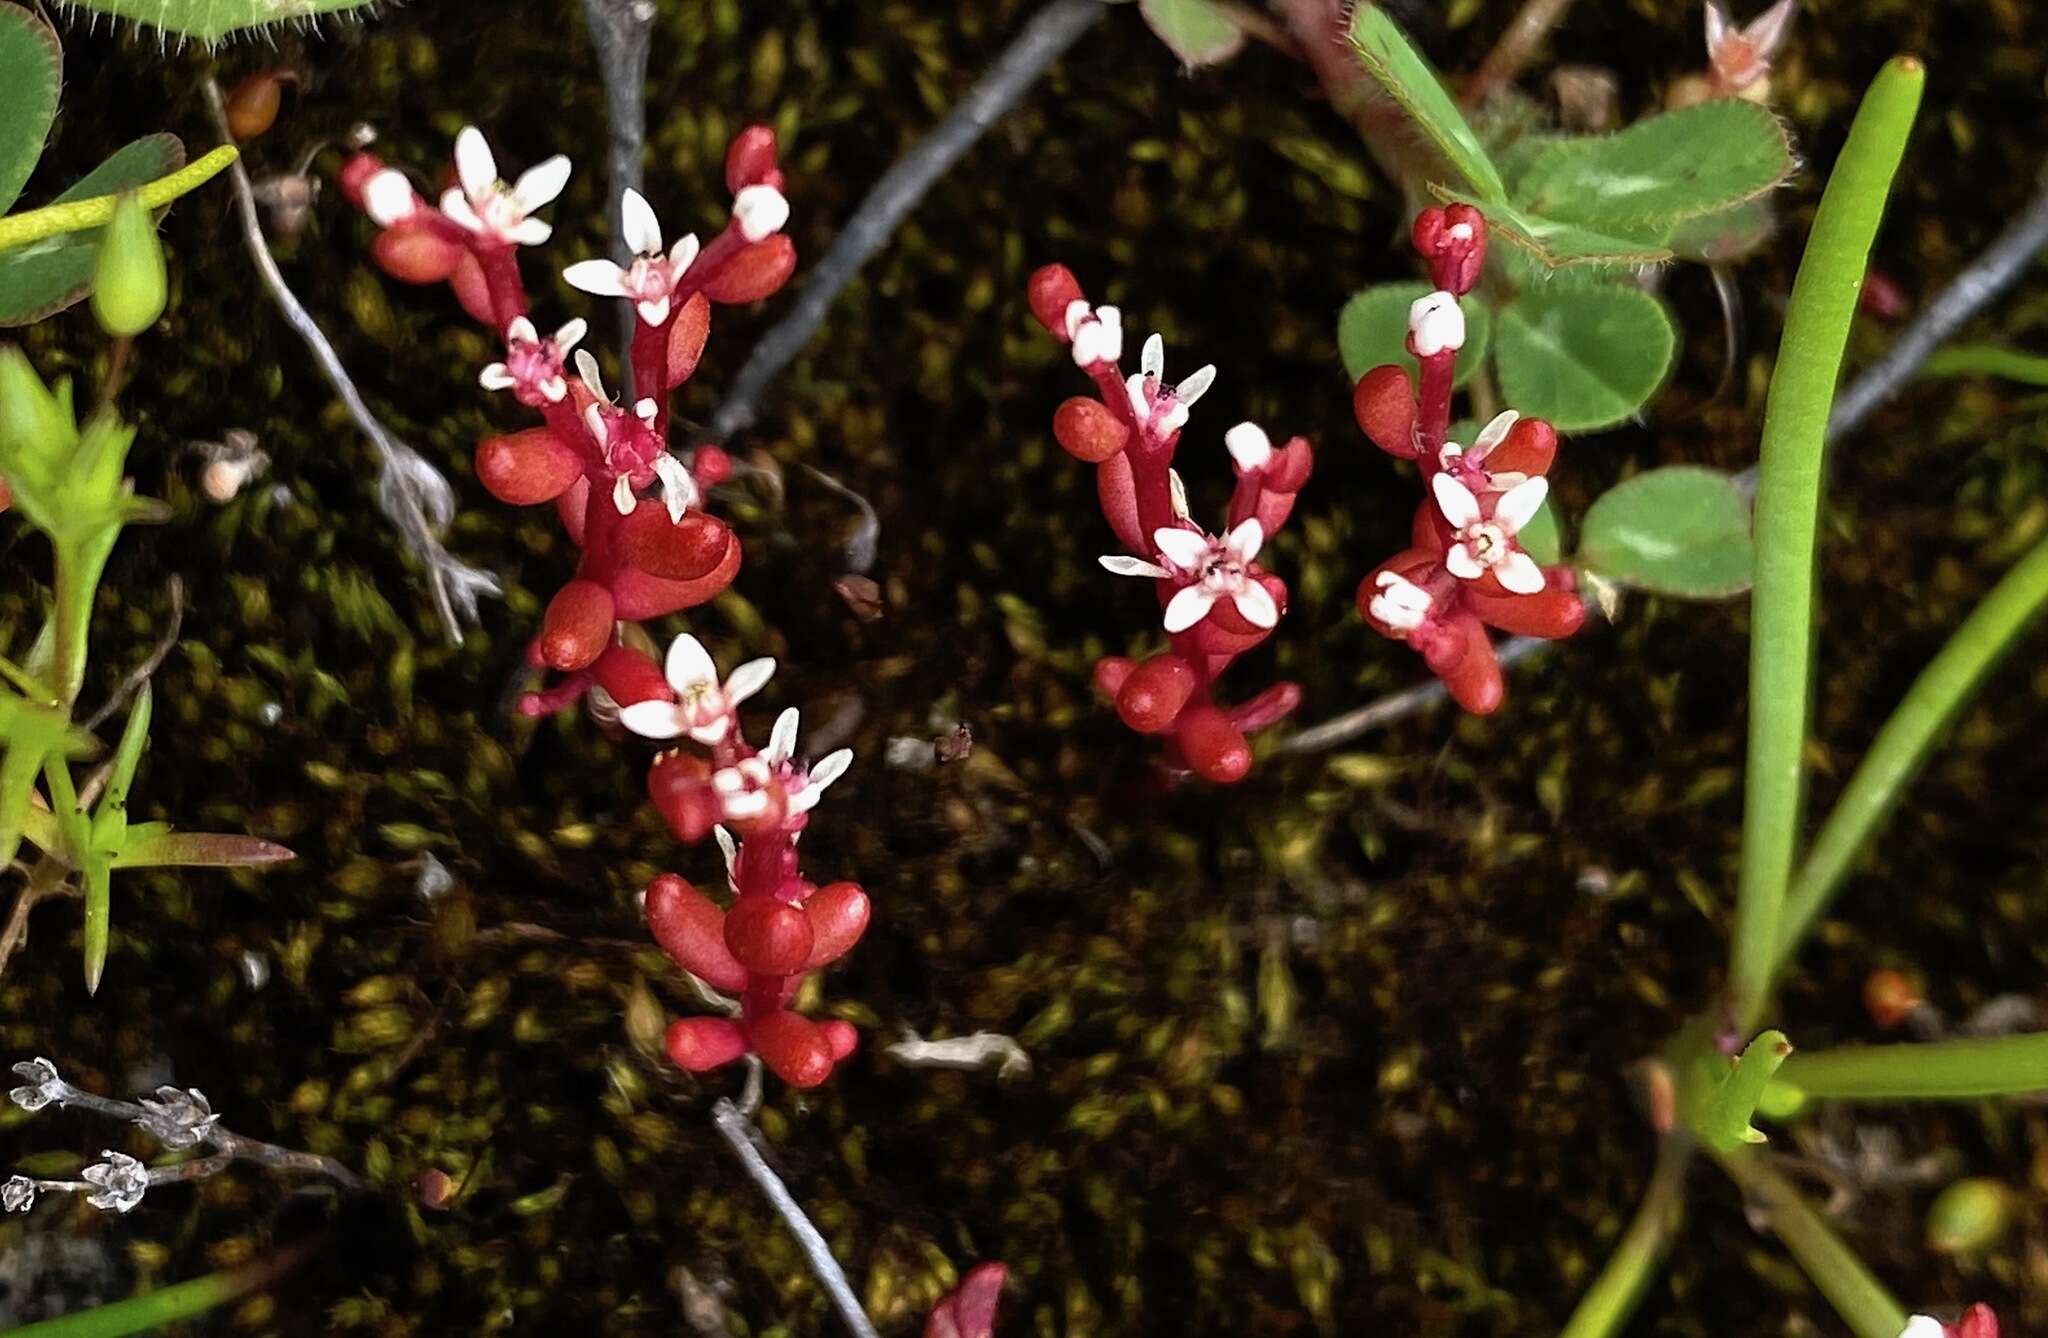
<point x="1958" y="1070"/>
<point x="1613" y="1297"/>
<point x="181" y="1301"/>
<point x="1857" y="1296"/>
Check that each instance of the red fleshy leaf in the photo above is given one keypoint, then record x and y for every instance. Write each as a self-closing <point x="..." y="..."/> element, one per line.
<point x="527" y="467"/>
<point x="1474" y="680"/>
<point x="750" y="160"/>
<point x="629" y="676"/>
<point x="691" y="930"/>
<point x="577" y="626"/>
<point x="792" y="1046"/>
<point x="839" y="916"/>
<point x="1087" y="430"/>
<point x="1053" y="288"/>
<point x="758" y="270"/>
<point x="1384" y="402"/>
<point x="1553" y="612"/>
<point x="1530" y="448"/>
<point x="844" y="1040"/>
<point x="1110" y="673"/>
<point x="1118" y="494"/>
<point x="969" y="1310"/>
<point x="1268" y="708"/>
<point x="473" y="291"/>
<point x="1154" y="693"/>
<point x="679" y="786"/>
<point x="682" y="550"/>
<point x="697" y="1044"/>
<point x="414" y="254"/>
<point x="769" y="936"/>
<point x="686" y="338"/>
<point x="1213" y="747"/>
<point x="642" y="595"/>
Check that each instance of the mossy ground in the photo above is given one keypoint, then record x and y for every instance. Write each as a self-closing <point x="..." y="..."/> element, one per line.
<point x="1343" y="1049"/>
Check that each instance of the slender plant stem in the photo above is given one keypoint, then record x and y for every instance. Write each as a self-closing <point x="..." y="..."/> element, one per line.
<point x="34" y="225"/>
<point x="1517" y="46"/>
<point x="72" y="589"/>
<point x="1817" y="321"/>
<point x="1958" y="1070"/>
<point x="1857" y="1296"/>
<point x="1048" y="34"/>
<point x="168" y="1305"/>
<point x="1613" y="1297"/>
<point x="738" y="1133"/>
<point x="622" y="31"/>
<point x="1902" y="746"/>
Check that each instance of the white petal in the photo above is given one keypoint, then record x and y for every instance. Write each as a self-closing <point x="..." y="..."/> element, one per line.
<point x="600" y="278"/>
<point x="593" y="380"/>
<point x="1177" y="494"/>
<point x="1717" y="26"/>
<point x="1152" y="361"/>
<point x="1091" y="345"/>
<point x="456" y="206"/>
<point x="1493" y="434"/>
<point x="1922" y="1326"/>
<point x="530" y="232"/>
<point x="654" y="313"/>
<point x="1519" y="574"/>
<point x="1768" y="30"/>
<point x="760" y="211"/>
<point x="495" y="376"/>
<point x="1436" y="323"/>
<point x="1519" y="503"/>
<point x="554" y="389"/>
<point x="678" y="489"/>
<point x="570" y="335"/>
<point x="1455" y="501"/>
<point x="1461" y="564"/>
<point x="1243" y="543"/>
<point x="749" y="679"/>
<point x="1256" y="604"/>
<point x="538" y="185"/>
<point x="623" y="496"/>
<point x="682" y="255"/>
<point x="689" y="668"/>
<point x="1134" y="391"/>
<point x="829" y="768"/>
<point x="593" y="423"/>
<point x="1188" y="607"/>
<point x="1249" y="446"/>
<point x="521" y="331"/>
<point x="388" y="197"/>
<point x="1130" y="566"/>
<point x="644" y="409"/>
<point x="475" y="168"/>
<point x="641" y="229"/>
<point x="1183" y="548"/>
<point x="752" y="804"/>
<point x="713" y="731"/>
<point x="652" y="719"/>
<point x="1114" y="319"/>
<point x="731" y="849"/>
<point x="782" y="739"/>
<point x="1196" y="386"/>
<point x="1173" y="419"/>
<point x="1077" y="311"/>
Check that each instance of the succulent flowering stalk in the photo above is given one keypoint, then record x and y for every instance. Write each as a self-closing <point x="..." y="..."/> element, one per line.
<point x="1216" y="600"/>
<point x="594" y="456"/>
<point x="1465" y="569"/>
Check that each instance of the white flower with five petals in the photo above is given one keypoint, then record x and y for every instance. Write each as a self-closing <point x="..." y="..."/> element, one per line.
<point x="631" y="451"/>
<point x="1161" y="409"/>
<point x="485" y="205"/>
<point x="1467" y="463"/>
<point x="650" y="281"/>
<point x="1481" y="544"/>
<point x="742" y="789"/>
<point x="804" y="785"/>
<point x="532" y="368"/>
<point x="1208" y="569"/>
<point x="703" y="708"/>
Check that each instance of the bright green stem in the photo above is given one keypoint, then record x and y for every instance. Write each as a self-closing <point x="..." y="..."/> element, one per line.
<point x="33" y="225"/>
<point x="183" y="1300"/>
<point x="1935" y="1071"/>
<point x="1613" y="1296"/>
<point x="1787" y="511"/>
<point x="77" y="582"/>
<point x="1901" y="747"/>
<point x="1857" y="1296"/>
<point x="1987" y="360"/>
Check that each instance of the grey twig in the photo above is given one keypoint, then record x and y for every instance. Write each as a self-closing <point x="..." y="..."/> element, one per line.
<point x="1049" y="33"/>
<point x="1982" y="282"/>
<point x="141" y="673"/>
<point x="409" y="490"/>
<point x="622" y="31"/>
<point x="738" y="1132"/>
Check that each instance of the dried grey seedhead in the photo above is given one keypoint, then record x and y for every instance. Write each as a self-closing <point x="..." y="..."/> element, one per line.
<point x="42" y="1084"/>
<point x="179" y="1117"/>
<point x="18" y="1195"/>
<point x="122" y="1182"/>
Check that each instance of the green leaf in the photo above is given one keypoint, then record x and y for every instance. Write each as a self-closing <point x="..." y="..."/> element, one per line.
<point x="1586" y="358"/>
<point x="1726" y="234"/>
<point x="1372" y="330"/>
<point x="1683" y="164"/>
<point x="155" y="845"/>
<point x="98" y="917"/>
<point x="211" y="20"/>
<point x="1543" y="537"/>
<point x="1724" y="1117"/>
<point x="1402" y="71"/>
<point x="1197" y="31"/>
<point x="1557" y="244"/>
<point x="42" y="278"/>
<point x="110" y="819"/>
<point x="1681" y="530"/>
<point x="31" y="68"/>
<point x="2029" y="369"/>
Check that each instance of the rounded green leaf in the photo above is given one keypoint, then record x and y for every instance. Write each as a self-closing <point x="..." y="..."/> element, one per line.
<point x="1682" y="164"/>
<point x="44" y="277"/>
<point x="1198" y="31"/>
<point x="1372" y="330"/>
<point x="1543" y="537"/>
<point x="1586" y="358"/>
<point x="211" y="20"/>
<point x="31" y="67"/>
<point x="1681" y="530"/>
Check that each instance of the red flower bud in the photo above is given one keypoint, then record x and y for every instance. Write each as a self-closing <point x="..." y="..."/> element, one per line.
<point x="411" y="253"/>
<point x="1214" y="747"/>
<point x="839" y="915"/>
<point x="1111" y="671"/>
<point x="794" y="1047"/>
<point x="1384" y="401"/>
<point x="711" y="467"/>
<point x="1154" y="693"/>
<point x="252" y="106"/>
<point x="750" y="160"/>
<point x="691" y="930"/>
<point x="1088" y="430"/>
<point x="526" y="467"/>
<point x="1268" y="708"/>
<point x="1530" y="447"/>
<point x="686" y="338"/>
<point x="577" y="626"/>
<point x="628" y="676"/>
<point x="700" y="1043"/>
<point x="679" y="786"/>
<point x="1052" y="290"/>
<point x="758" y="270"/>
<point x="356" y="173"/>
<point x="682" y="550"/>
<point x="1977" y="1322"/>
<point x="1472" y="676"/>
<point x="1453" y="239"/>
<point x="769" y="936"/>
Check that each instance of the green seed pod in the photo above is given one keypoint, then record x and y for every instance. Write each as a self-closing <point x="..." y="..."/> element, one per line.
<point x="129" y="282"/>
<point x="1968" y="1216"/>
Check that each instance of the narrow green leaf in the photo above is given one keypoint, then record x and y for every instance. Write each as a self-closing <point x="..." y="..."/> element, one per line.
<point x="1402" y="71"/>
<point x="1956" y="1070"/>
<point x="1198" y="31"/>
<point x="42" y="278"/>
<point x="1681" y="164"/>
<point x="154" y="845"/>
<point x="110" y="820"/>
<point x="1724" y="1118"/>
<point x="1372" y="330"/>
<point x="2029" y="369"/>
<point x="98" y="915"/>
<point x="1681" y="530"/>
<point x="31" y="69"/>
<point x="1584" y="358"/>
<point x="211" y="20"/>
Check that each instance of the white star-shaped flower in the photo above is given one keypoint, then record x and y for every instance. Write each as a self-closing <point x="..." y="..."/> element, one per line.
<point x="1482" y="545"/>
<point x="1097" y="333"/>
<point x="703" y="708"/>
<point x="485" y="205"/>
<point x="1208" y="569"/>
<point x="650" y="282"/>
<point x="532" y="368"/>
<point x="804" y="785"/>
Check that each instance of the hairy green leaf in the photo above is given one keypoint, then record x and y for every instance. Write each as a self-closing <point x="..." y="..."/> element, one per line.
<point x="1557" y="244"/>
<point x="1583" y="358"/>
<point x="1683" y="164"/>
<point x="1401" y="70"/>
<point x="42" y="278"/>
<point x="31" y="68"/>
<point x="1681" y="530"/>
<point x="1372" y="329"/>
<point x="211" y="20"/>
<point x="1197" y="31"/>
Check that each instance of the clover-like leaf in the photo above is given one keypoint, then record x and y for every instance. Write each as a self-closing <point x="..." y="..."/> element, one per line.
<point x="1200" y="32"/>
<point x="1682" y="164"/>
<point x="1583" y="358"/>
<point x="1681" y="530"/>
<point x="1543" y="537"/>
<point x="1390" y="58"/>
<point x="1372" y="329"/>
<point x="31" y="68"/>
<point x="44" y="277"/>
